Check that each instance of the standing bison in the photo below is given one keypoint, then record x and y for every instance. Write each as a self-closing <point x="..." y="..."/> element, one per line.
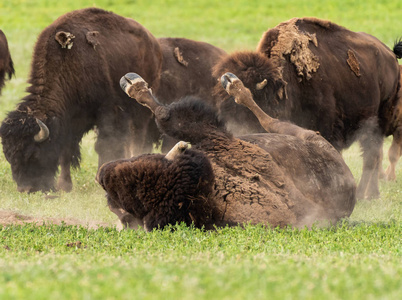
<point x="290" y="176"/>
<point x="323" y="77"/>
<point x="65" y="100"/>
<point x="6" y="63"/>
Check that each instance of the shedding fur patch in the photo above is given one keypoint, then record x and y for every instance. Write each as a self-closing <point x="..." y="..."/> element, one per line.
<point x="353" y="63"/>
<point x="179" y="57"/>
<point x="295" y="43"/>
<point x="92" y="38"/>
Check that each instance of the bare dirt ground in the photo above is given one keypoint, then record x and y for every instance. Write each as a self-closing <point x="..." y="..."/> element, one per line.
<point x="12" y="218"/>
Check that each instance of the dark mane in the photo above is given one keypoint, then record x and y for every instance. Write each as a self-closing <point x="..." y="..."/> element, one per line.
<point x="200" y="110"/>
<point x="398" y="48"/>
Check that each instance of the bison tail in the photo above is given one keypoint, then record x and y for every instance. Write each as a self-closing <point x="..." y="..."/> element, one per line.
<point x="398" y="48"/>
<point x="10" y="70"/>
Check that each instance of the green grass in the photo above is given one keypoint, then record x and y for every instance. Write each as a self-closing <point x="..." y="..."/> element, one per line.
<point x="345" y="262"/>
<point x="358" y="259"/>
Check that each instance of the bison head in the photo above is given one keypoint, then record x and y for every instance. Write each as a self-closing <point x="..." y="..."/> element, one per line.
<point x="262" y="77"/>
<point x="189" y="119"/>
<point x="28" y="147"/>
<point x="159" y="190"/>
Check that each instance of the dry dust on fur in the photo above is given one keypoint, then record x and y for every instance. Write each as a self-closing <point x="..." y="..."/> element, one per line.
<point x="293" y="42"/>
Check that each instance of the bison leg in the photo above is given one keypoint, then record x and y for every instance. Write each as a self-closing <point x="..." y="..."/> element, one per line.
<point x="243" y="96"/>
<point x="64" y="182"/>
<point x="394" y="153"/>
<point x="371" y="142"/>
<point x="136" y="87"/>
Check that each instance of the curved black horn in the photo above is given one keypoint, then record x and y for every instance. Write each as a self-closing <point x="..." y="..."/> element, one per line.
<point x="43" y="134"/>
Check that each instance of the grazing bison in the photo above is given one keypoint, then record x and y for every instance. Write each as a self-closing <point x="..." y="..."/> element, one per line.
<point x="6" y="63"/>
<point x="65" y="101"/>
<point x="322" y="77"/>
<point x="290" y="176"/>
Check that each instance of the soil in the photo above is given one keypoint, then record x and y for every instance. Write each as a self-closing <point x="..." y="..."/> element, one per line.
<point x="12" y="218"/>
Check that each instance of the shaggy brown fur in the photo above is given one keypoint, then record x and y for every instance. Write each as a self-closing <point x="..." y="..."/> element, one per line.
<point x="323" y="77"/>
<point x="250" y="185"/>
<point x="159" y="191"/>
<point x="6" y="63"/>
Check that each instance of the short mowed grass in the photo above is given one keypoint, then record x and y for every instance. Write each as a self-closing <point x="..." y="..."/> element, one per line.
<point x="360" y="258"/>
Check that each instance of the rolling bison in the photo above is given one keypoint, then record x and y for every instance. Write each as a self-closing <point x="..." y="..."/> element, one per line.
<point x="322" y="77"/>
<point x="6" y="63"/>
<point x="65" y="100"/>
<point x="290" y="176"/>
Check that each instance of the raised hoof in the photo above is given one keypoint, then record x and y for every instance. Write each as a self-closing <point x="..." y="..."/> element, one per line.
<point x="130" y="79"/>
<point x="227" y="79"/>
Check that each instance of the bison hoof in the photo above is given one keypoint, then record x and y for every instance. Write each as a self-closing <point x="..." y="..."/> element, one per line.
<point x="227" y="79"/>
<point x="130" y="79"/>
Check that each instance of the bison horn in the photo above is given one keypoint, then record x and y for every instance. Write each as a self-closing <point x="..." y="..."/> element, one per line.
<point x="176" y="150"/>
<point x="261" y="85"/>
<point x="43" y="134"/>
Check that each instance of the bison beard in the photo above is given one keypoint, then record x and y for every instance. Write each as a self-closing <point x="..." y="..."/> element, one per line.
<point x="275" y="179"/>
<point x="322" y="77"/>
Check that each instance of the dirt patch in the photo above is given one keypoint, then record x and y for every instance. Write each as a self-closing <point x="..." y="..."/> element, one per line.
<point x="12" y="218"/>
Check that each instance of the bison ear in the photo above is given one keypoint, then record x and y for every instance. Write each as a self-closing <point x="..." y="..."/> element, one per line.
<point x="65" y="39"/>
<point x="281" y="92"/>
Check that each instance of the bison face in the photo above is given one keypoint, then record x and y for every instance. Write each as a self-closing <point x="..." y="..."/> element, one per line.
<point x="189" y="119"/>
<point x="262" y="78"/>
<point x="29" y="149"/>
<point x="160" y="190"/>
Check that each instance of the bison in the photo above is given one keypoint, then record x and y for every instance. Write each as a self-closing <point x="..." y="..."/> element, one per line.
<point x="325" y="78"/>
<point x="289" y="176"/>
<point x="6" y="63"/>
<point x="65" y="100"/>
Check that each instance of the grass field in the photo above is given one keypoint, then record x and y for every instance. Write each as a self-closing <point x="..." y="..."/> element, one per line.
<point x="359" y="259"/>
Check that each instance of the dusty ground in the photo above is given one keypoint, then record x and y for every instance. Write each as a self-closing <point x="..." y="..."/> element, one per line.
<point x="10" y="217"/>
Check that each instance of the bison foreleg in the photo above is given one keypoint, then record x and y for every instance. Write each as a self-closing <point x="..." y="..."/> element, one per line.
<point x="394" y="153"/>
<point x="136" y="87"/>
<point x="243" y="96"/>
<point x="64" y="182"/>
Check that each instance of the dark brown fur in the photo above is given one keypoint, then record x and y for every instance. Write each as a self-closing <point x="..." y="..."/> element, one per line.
<point x="160" y="192"/>
<point x="6" y="63"/>
<point x="311" y="83"/>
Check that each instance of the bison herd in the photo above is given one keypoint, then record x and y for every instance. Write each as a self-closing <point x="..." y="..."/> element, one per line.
<point x="254" y="136"/>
